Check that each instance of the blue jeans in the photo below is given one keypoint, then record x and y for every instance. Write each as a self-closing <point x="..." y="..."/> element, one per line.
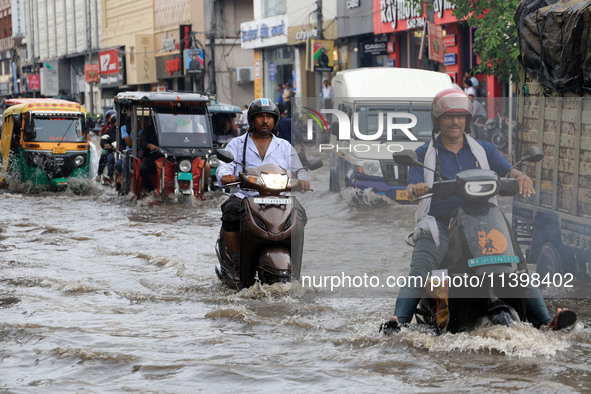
<point x="427" y="257"/>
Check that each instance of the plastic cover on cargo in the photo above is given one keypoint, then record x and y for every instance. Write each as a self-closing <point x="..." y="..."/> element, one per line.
<point x="555" y="40"/>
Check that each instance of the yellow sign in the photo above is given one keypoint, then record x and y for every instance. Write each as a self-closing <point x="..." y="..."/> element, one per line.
<point x="258" y="77"/>
<point x="319" y="55"/>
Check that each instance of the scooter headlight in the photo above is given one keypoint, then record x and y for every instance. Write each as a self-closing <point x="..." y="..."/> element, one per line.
<point x="185" y="166"/>
<point x="79" y="160"/>
<point x="481" y="188"/>
<point x="275" y="181"/>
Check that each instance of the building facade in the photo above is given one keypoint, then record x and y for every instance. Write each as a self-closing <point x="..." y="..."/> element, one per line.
<point x="60" y="37"/>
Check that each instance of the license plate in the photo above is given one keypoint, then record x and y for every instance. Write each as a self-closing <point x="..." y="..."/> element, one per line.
<point x="274" y="201"/>
<point x="59" y="150"/>
<point x="185" y="176"/>
<point x="401" y="195"/>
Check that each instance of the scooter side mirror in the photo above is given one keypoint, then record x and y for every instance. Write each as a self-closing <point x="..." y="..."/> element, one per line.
<point x="314" y="164"/>
<point x="406" y="157"/>
<point x="508" y="187"/>
<point x="533" y="154"/>
<point x="224" y="155"/>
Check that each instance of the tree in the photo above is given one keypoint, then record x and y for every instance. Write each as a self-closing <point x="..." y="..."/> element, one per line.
<point x="495" y="39"/>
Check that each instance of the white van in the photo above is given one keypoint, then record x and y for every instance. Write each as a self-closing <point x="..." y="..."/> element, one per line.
<point x="380" y="98"/>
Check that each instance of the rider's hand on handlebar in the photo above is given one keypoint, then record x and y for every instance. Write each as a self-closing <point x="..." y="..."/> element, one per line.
<point x="304" y="185"/>
<point x="526" y="185"/>
<point x="414" y="191"/>
<point x="229" y="179"/>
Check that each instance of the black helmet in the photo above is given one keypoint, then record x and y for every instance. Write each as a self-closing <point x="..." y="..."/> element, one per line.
<point x="262" y="106"/>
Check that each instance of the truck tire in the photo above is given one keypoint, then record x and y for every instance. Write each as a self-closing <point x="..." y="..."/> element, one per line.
<point x="549" y="260"/>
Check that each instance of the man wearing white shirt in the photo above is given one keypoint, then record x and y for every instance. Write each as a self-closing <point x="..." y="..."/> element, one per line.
<point x="257" y="147"/>
<point x="327" y="94"/>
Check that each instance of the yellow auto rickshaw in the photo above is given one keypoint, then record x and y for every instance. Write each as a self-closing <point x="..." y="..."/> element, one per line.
<point x="44" y="142"/>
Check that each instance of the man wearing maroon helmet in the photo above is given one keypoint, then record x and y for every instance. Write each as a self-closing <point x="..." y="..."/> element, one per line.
<point x="452" y="150"/>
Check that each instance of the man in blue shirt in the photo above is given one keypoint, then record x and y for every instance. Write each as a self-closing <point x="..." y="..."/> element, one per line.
<point x="257" y="147"/>
<point x="451" y="113"/>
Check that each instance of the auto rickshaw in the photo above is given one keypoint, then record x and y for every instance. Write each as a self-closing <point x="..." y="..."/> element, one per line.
<point x="183" y="128"/>
<point x="224" y="129"/>
<point x="44" y="142"/>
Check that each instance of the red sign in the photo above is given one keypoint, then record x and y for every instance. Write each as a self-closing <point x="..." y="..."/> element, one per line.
<point x="449" y="40"/>
<point x="391" y="47"/>
<point x="34" y="81"/>
<point x="109" y="62"/>
<point x="173" y="65"/>
<point x="394" y="15"/>
<point x="435" y="43"/>
<point x="91" y="72"/>
<point x="185" y="39"/>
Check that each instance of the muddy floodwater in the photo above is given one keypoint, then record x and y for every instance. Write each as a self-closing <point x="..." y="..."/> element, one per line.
<point x="101" y="293"/>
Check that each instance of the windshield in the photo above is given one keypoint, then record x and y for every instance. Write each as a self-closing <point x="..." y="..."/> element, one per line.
<point x="183" y="129"/>
<point x="369" y="120"/>
<point x="57" y="128"/>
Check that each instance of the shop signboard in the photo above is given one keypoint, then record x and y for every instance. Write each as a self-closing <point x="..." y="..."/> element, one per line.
<point x="319" y="55"/>
<point x="375" y="48"/>
<point x="34" y="82"/>
<point x="185" y="40"/>
<point x="449" y="59"/>
<point x="91" y="73"/>
<point x="435" y="43"/>
<point x="264" y="32"/>
<point x="194" y="61"/>
<point x="399" y="15"/>
<point x="110" y="70"/>
<point x="449" y="40"/>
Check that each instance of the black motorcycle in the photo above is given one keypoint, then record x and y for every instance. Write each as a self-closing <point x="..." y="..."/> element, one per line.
<point x="483" y="256"/>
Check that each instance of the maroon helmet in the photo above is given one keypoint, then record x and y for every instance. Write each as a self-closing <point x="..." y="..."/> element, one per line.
<point x="451" y="101"/>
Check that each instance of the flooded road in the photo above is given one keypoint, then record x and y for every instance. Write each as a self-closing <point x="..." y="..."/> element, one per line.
<point x="102" y="293"/>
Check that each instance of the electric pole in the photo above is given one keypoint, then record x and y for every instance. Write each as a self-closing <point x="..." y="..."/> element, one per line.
<point x="319" y="32"/>
<point x="89" y="30"/>
<point x="212" y="28"/>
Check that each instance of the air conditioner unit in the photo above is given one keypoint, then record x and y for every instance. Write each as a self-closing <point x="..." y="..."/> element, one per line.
<point x="244" y="74"/>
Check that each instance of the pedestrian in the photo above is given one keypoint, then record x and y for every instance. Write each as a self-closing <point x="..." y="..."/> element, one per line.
<point x="287" y="95"/>
<point x="327" y="94"/>
<point x="279" y="88"/>
<point x="108" y="143"/>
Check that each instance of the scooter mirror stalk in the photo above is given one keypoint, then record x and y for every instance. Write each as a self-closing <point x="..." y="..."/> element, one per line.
<point x="409" y="158"/>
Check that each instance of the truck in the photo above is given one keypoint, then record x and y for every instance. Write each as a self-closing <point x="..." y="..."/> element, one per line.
<point x="371" y="98"/>
<point x="554" y="112"/>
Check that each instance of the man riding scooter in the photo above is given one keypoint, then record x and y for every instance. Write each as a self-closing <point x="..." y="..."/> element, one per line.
<point x="257" y="147"/>
<point x="450" y="152"/>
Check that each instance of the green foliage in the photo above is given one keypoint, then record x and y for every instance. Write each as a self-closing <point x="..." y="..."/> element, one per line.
<point x="495" y="39"/>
